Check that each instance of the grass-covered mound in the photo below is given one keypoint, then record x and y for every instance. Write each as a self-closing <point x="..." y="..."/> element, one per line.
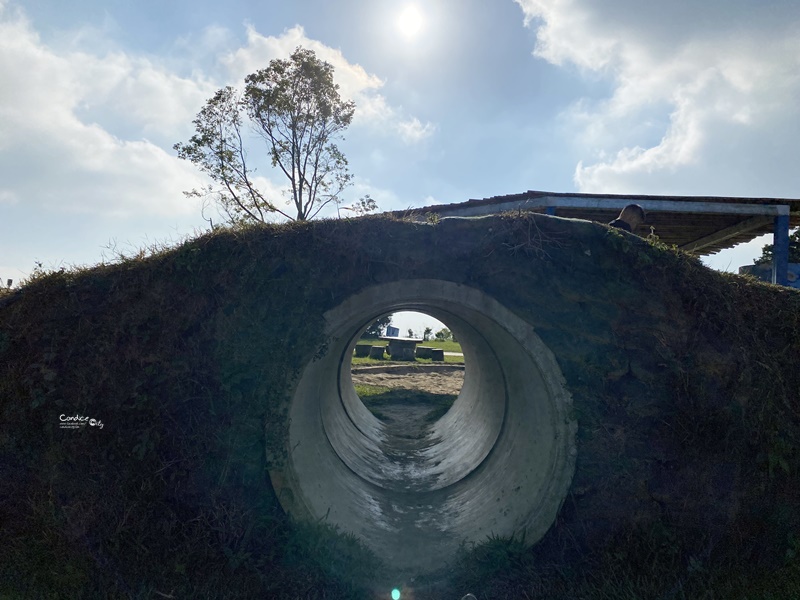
<point x="685" y="385"/>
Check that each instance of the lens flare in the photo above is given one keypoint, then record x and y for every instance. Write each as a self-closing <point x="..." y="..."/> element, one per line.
<point x="395" y="594"/>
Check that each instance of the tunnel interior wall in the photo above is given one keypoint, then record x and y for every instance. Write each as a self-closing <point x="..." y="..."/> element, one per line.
<point x="684" y="385"/>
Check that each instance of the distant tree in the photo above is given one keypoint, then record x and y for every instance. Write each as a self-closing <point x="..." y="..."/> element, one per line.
<point x="410" y="332"/>
<point x="794" y="250"/>
<point x="444" y="335"/>
<point x="295" y="107"/>
<point x="426" y="335"/>
<point x="378" y="328"/>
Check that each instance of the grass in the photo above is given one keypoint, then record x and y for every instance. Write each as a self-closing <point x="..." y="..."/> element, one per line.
<point x="449" y="360"/>
<point x="187" y="355"/>
<point x="635" y="566"/>
<point x="447" y="346"/>
<point x="365" y="390"/>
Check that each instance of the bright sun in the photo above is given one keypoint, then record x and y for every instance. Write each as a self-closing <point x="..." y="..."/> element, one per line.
<point x="410" y="21"/>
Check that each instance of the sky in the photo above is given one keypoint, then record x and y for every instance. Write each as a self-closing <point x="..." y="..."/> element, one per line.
<point x="455" y="99"/>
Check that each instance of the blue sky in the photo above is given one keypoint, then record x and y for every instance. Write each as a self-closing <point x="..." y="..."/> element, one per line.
<point x="486" y="98"/>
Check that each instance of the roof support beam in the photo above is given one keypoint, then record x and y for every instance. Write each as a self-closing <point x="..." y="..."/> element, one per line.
<point x="727" y="233"/>
<point x="780" y="251"/>
<point x="670" y="206"/>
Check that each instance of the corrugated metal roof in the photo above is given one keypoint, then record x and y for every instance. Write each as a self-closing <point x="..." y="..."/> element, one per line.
<point x="682" y="229"/>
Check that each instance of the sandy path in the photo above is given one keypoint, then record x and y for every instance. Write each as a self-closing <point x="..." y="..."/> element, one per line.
<point x="435" y="379"/>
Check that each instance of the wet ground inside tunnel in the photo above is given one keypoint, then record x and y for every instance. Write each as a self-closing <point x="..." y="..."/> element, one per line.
<point x="410" y="399"/>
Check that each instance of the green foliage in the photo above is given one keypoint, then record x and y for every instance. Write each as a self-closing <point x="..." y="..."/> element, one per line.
<point x="362" y="206"/>
<point x="295" y="107"/>
<point x="378" y="328"/>
<point x="794" y="250"/>
<point x="444" y="335"/>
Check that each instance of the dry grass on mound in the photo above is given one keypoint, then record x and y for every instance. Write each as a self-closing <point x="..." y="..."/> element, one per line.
<point x="188" y="357"/>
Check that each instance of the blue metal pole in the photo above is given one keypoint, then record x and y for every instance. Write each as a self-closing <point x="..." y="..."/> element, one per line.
<point x="780" y="251"/>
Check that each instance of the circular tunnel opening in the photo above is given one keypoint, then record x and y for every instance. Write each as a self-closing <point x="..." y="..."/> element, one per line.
<point x="498" y="462"/>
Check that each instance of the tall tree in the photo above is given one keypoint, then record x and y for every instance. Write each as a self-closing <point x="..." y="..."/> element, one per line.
<point x="296" y="109"/>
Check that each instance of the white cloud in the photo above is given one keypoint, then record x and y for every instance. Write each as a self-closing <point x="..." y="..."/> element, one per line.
<point x="372" y="108"/>
<point x="53" y="152"/>
<point x="430" y="201"/>
<point x="203" y="47"/>
<point x="704" y="95"/>
<point x="560" y="34"/>
<point x="91" y="132"/>
<point x="413" y="130"/>
<point x="385" y="198"/>
<point x="142" y="94"/>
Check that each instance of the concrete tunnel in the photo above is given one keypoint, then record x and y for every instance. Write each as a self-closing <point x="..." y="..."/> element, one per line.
<point x="499" y="462"/>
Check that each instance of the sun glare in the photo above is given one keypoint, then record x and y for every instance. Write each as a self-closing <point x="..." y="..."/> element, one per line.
<point x="410" y="21"/>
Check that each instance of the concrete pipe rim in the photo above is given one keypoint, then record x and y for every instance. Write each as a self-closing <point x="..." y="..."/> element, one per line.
<point x="499" y="462"/>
